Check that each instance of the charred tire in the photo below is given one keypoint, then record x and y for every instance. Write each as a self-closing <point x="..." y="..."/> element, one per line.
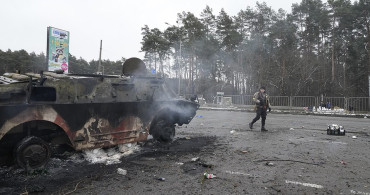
<point x="163" y="131"/>
<point x="32" y="152"/>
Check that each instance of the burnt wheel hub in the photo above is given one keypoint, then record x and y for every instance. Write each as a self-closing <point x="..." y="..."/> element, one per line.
<point x="32" y="152"/>
<point x="35" y="154"/>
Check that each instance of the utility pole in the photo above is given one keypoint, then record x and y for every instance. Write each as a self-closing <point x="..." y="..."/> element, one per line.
<point x="178" y="22"/>
<point x="99" y="67"/>
<point x="179" y="70"/>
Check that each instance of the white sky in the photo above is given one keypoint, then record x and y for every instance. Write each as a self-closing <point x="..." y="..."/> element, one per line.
<point x="118" y="23"/>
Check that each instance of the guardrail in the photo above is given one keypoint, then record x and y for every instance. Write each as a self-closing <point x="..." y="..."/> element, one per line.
<point x="358" y="104"/>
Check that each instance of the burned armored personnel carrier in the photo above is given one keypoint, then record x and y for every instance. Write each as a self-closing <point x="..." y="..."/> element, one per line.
<point x="38" y="111"/>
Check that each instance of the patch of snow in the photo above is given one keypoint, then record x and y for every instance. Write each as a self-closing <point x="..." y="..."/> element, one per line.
<point x="111" y="155"/>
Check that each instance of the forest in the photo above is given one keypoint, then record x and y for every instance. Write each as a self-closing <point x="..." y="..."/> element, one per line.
<point x="315" y="48"/>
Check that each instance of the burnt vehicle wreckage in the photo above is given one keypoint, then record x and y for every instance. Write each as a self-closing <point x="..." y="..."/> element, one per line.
<point x="41" y="111"/>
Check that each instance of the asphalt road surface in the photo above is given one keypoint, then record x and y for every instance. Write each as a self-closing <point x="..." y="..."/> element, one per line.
<point x="295" y="156"/>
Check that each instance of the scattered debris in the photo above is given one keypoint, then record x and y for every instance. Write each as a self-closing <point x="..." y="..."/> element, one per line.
<point x="291" y="129"/>
<point x="199" y="116"/>
<point x="201" y="124"/>
<point x="342" y="162"/>
<point x="179" y="163"/>
<point x="161" y="178"/>
<point x="209" y="175"/>
<point x="195" y="159"/>
<point x="188" y="138"/>
<point x="354" y="137"/>
<point x="121" y="171"/>
<point x="270" y="164"/>
<point x="335" y="129"/>
<point x="232" y="131"/>
<point x="302" y="127"/>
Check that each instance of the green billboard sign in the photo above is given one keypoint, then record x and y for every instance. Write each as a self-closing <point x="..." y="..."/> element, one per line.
<point x="57" y="49"/>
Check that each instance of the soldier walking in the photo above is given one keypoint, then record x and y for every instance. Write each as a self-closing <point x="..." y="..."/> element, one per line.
<point x="262" y="104"/>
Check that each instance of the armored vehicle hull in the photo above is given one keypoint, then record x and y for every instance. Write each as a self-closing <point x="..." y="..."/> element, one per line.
<point x="41" y="111"/>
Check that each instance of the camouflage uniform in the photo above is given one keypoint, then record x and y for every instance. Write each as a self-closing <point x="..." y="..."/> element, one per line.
<point x="262" y="104"/>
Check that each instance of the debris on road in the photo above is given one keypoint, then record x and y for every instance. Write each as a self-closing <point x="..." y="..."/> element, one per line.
<point x="270" y="164"/>
<point x="121" y="171"/>
<point x="291" y="129"/>
<point x="232" y="131"/>
<point x="161" y="178"/>
<point x="342" y="162"/>
<point x="209" y="175"/>
<point x="195" y="159"/>
<point x="179" y="163"/>
<point x="335" y="129"/>
<point x="354" y="137"/>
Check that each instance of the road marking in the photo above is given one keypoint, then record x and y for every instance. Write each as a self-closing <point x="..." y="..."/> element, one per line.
<point x="305" y="184"/>
<point x="321" y="141"/>
<point x="332" y="142"/>
<point x="358" y="192"/>
<point x="237" y="173"/>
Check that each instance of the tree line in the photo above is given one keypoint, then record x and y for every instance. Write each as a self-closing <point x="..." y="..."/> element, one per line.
<point x="13" y="61"/>
<point x="317" y="48"/>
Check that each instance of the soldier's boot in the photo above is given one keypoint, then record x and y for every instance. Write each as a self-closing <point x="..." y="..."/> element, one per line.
<point x="250" y="125"/>
<point x="263" y="129"/>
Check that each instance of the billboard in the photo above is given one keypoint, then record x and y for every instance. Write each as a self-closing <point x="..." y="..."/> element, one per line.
<point x="57" y="49"/>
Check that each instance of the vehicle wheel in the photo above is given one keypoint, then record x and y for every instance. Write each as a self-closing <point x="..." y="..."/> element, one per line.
<point x="163" y="131"/>
<point x="32" y="152"/>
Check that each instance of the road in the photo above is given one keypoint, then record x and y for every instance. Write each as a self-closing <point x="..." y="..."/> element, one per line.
<point x="295" y="156"/>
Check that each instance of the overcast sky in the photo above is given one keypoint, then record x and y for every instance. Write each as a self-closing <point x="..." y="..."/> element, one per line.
<point x="117" y="22"/>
